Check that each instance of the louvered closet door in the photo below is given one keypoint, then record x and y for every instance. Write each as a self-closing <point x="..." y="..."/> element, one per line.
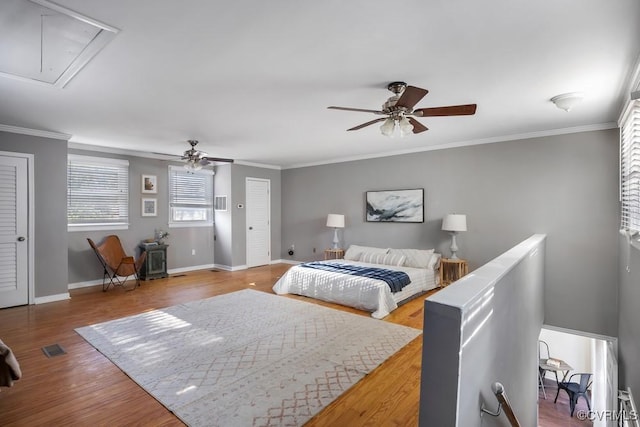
<point x="14" y="288"/>
<point x="258" y="222"/>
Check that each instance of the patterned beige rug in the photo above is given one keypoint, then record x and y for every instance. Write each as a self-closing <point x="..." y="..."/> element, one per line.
<point x="247" y="358"/>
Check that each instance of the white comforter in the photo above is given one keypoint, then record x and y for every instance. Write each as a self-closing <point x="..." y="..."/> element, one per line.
<point x="359" y="292"/>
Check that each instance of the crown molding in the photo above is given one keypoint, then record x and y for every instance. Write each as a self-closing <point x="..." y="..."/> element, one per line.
<point x="515" y="137"/>
<point x="122" y="151"/>
<point x="632" y="90"/>
<point x="159" y="156"/>
<point x="257" y="165"/>
<point x="35" y="132"/>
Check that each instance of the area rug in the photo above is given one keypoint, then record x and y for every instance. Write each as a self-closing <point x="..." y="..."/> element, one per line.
<point x="247" y="358"/>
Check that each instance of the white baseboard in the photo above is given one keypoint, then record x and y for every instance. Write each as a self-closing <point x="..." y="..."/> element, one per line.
<point x="244" y="267"/>
<point x="229" y="267"/>
<point x="192" y="268"/>
<point x="52" y="298"/>
<point x="86" y="284"/>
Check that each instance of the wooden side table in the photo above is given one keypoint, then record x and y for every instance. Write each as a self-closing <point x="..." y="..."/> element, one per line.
<point x="333" y="254"/>
<point x="452" y="270"/>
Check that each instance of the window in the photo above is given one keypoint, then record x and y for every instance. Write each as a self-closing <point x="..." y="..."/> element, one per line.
<point x="190" y="197"/>
<point x="97" y="193"/>
<point x="630" y="168"/>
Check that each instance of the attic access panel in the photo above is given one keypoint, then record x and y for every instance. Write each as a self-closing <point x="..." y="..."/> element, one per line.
<point x="43" y="42"/>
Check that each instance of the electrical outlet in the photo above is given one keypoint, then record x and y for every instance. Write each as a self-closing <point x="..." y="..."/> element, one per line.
<point x="193" y="251"/>
<point x="293" y="247"/>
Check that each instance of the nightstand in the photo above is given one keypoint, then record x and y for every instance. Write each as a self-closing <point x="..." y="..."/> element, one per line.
<point x="333" y="253"/>
<point x="452" y="270"/>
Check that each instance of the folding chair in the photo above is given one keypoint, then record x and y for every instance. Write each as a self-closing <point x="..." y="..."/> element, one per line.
<point x="116" y="263"/>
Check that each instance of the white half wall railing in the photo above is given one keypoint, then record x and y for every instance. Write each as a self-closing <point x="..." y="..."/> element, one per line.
<point x="629" y="416"/>
<point x="480" y="330"/>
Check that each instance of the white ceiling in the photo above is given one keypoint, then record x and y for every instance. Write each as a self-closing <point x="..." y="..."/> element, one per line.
<point x="252" y="79"/>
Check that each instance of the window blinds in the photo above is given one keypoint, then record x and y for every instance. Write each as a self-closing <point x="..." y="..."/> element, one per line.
<point x="97" y="191"/>
<point x="190" y="195"/>
<point x="630" y="168"/>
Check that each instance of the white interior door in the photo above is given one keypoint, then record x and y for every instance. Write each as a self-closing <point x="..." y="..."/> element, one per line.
<point x="14" y="226"/>
<point x="258" y="205"/>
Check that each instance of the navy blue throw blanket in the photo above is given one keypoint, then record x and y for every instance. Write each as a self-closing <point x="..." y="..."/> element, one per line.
<point x="395" y="279"/>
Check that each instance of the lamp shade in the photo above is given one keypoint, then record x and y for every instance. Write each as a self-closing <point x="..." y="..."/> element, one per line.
<point x="454" y="222"/>
<point x="335" y="221"/>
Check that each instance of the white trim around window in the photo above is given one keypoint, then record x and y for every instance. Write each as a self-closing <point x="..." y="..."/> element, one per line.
<point x="630" y="169"/>
<point x="190" y="197"/>
<point x="97" y="193"/>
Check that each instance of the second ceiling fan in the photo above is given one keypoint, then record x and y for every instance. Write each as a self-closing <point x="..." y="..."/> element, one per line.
<point x="196" y="159"/>
<point x="400" y="114"/>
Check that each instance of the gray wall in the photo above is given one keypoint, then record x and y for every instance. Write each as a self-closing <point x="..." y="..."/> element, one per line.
<point x="223" y="219"/>
<point x="83" y="264"/>
<point x="231" y="230"/>
<point x="629" y="320"/>
<point x="239" y="173"/>
<point x="564" y="186"/>
<point x="481" y="330"/>
<point x="50" y="217"/>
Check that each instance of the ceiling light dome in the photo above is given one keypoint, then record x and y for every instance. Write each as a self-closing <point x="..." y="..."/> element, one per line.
<point x="567" y="101"/>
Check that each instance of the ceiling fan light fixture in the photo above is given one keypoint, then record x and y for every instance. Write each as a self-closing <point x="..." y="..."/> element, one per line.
<point x="192" y="166"/>
<point x="388" y="127"/>
<point x="405" y="127"/>
<point x="567" y="101"/>
<point x="401" y="105"/>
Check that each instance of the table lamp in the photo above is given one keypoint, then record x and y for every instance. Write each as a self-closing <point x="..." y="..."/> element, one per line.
<point x="336" y="221"/>
<point x="454" y="223"/>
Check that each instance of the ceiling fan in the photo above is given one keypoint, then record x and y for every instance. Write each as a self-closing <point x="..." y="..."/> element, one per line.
<point x="400" y="114"/>
<point x="197" y="159"/>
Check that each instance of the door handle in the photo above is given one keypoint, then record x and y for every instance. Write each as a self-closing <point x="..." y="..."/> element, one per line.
<point x="21" y="239"/>
<point x="250" y="228"/>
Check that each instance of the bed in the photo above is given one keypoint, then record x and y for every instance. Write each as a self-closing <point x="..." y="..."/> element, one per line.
<point x="365" y="293"/>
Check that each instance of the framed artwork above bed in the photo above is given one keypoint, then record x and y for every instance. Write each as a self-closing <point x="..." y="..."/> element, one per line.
<point x="395" y="205"/>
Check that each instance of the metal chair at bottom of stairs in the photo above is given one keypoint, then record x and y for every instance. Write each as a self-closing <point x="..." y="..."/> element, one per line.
<point x="543" y="350"/>
<point x="576" y="389"/>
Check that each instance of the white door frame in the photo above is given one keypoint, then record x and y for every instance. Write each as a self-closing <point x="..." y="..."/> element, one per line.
<point x="30" y="219"/>
<point x="246" y="182"/>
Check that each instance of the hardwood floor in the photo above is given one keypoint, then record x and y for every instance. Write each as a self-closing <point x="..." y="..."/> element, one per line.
<point x="559" y="414"/>
<point x="83" y="388"/>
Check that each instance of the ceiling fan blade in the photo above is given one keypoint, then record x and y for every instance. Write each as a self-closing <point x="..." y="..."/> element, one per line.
<point x="216" y="159"/>
<point x="417" y="126"/>
<point x="382" y="119"/>
<point x="411" y="96"/>
<point x="362" y="110"/>
<point x="453" y="110"/>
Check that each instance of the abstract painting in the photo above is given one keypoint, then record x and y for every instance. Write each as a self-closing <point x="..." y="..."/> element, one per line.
<point x="395" y="206"/>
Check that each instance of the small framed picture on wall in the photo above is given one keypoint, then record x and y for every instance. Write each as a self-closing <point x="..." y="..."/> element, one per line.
<point x="149" y="207"/>
<point x="149" y="184"/>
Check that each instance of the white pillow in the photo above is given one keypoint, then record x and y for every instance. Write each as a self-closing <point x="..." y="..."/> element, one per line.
<point x="386" y="259"/>
<point x="434" y="262"/>
<point x="354" y="251"/>
<point x="417" y="258"/>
